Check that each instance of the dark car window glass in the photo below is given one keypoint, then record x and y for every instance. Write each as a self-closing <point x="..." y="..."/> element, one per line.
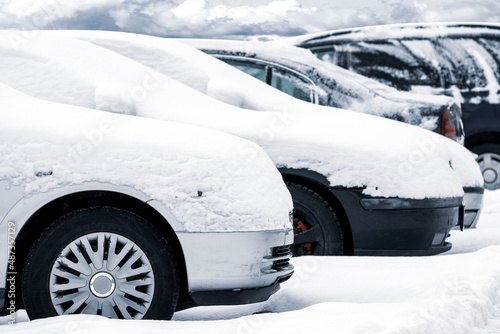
<point x="464" y="57"/>
<point x="339" y="55"/>
<point x="435" y="69"/>
<point x="386" y="61"/>
<point x="492" y="46"/>
<point x="255" y="70"/>
<point x="291" y="84"/>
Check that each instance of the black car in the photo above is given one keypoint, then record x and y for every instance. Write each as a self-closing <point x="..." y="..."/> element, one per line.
<point x="459" y="59"/>
<point x="298" y="73"/>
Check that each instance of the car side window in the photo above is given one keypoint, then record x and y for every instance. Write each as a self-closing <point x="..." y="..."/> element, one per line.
<point x="492" y="46"/>
<point x="258" y="71"/>
<point x="468" y="60"/>
<point x="292" y="85"/>
<point x="280" y="79"/>
<point x="394" y="63"/>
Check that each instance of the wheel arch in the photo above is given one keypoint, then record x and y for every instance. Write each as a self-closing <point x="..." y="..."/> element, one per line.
<point x="60" y="206"/>
<point x="320" y="185"/>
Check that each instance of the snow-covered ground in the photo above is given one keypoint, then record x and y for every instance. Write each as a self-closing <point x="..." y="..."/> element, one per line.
<point x="456" y="292"/>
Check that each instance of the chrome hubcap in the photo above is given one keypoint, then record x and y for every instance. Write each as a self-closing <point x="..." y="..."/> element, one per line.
<point x="490" y="167"/>
<point x="102" y="285"/>
<point x="104" y="274"/>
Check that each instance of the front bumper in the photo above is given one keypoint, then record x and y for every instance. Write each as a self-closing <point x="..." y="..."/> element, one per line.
<point x="473" y="199"/>
<point x="235" y="267"/>
<point x="398" y="227"/>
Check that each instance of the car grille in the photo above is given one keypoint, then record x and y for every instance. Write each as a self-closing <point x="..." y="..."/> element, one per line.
<point x="279" y="260"/>
<point x="284" y="253"/>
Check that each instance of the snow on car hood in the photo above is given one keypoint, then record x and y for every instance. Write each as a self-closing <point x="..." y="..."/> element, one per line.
<point x="351" y="149"/>
<point x="206" y="179"/>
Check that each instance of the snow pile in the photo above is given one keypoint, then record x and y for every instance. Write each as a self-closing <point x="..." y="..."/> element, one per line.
<point x="207" y="179"/>
<point x="350" y="149"/>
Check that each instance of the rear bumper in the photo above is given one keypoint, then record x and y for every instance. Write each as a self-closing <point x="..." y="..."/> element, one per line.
<point x="399" y="227"/>
<point x="473" y="199"/>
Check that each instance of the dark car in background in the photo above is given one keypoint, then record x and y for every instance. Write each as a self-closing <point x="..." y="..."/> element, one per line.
<point x="298" y="73"/>
<point x="458" y="59"/>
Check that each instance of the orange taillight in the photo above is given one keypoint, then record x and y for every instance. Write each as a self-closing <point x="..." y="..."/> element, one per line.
<point x="449" y="125"/>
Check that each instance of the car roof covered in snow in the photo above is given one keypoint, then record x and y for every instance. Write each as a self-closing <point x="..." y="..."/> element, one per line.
<point x="400" y="31"/>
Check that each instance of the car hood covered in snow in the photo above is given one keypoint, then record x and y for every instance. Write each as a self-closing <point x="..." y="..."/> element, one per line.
<point x="387" y="158"/>
<point x="206" y="179"/>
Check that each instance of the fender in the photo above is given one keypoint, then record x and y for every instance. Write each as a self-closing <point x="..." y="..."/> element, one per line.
<point x="19" y="209"/>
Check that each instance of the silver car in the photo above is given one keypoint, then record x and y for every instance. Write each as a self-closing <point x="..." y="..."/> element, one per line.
<point x="127" y="217"/>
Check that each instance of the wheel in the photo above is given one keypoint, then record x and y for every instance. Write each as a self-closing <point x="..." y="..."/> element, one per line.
<point x="489" y="162"/>
<point x="101" y="261"/>
<point x="316" y="226"/>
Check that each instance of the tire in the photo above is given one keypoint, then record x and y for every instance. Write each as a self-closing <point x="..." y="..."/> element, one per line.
<point x="489" y="162"/>
<point x="102" y="261"/>
<point x="316" y="226"/>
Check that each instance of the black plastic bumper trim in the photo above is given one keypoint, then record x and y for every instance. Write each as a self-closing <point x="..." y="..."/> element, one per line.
<point x="402" y="252"/>
<point x="474" y="190"/>
<point x="395" y="203"/>
<point x="461" y="217"/>
<point x="2" y="299"/>
<point x="232" y="297"/>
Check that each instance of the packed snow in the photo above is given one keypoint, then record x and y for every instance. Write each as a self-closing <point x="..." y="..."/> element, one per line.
<point x="388" y="159"/>
<point x="208" y="180"/>
<point x="456" y="292"/>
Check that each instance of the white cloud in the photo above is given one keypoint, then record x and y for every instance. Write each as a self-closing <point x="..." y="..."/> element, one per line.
<point x="235" y="18"/>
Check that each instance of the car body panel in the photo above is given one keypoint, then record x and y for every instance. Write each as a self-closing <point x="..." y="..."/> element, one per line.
<point x="410" y="229"/>
<point x="209" y="268"/>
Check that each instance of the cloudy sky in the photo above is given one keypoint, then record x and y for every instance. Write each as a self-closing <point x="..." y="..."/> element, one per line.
<point x="235" y="19"/>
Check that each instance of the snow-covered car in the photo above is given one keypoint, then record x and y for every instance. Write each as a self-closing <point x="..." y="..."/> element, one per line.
<point x="457" y="59"/>
<point x="298" y="73"/>
<point x="360" y="184"/>
<point x="129" y="217"/>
